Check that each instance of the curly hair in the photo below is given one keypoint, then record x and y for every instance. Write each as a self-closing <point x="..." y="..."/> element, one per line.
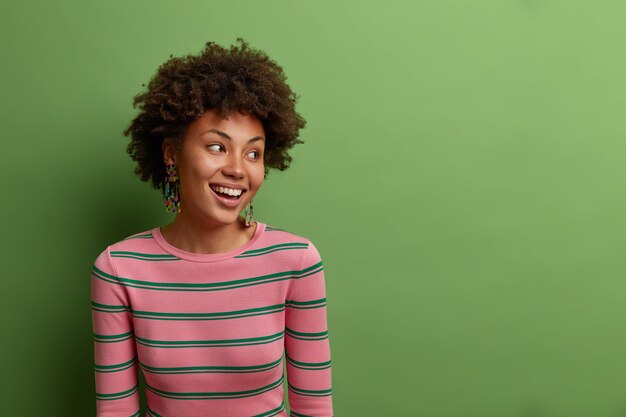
<point x="240" y="78"/>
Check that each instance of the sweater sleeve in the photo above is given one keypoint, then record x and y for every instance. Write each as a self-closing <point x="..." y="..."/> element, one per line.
<point x="307" y="343"/>
<point x="114" y="343"/>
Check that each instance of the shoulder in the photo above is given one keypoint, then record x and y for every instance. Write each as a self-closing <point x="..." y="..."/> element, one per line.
<point x="275" y="233"/>
<point x="131" y="242"/>
<point x="281" y="237"/>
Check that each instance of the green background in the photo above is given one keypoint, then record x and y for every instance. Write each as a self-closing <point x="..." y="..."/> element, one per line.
<point x="462" y="177"/>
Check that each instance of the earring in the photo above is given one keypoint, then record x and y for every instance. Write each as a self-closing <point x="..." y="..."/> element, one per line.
<point x="172" y="186"/>
<point x="248" y="213"/>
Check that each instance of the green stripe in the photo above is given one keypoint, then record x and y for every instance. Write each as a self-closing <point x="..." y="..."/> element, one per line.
<point x="212" y="286"/>
<point x="273" y="229"/>
<point x="117" y="395"/>
<point x="273" y="248"/>
<point x="273" y="412"/>
<point x="215" y="394"/>
<point x="310" y="392"/>
<point x="310" y="366"/>
<point x="153" y="413"/>
<point x="140" y="236"/>
<point x="307" y="336"/>
<point x="106" y="308"/>
<point x="306" y="304"/>
<point x="153" y="315"/>
<point x="212" y="369"/>
<point x="294" y="414"/>
<point x="144" y="256"/>
<point x="113" y="338"/>
<point x="210" y="343"/>
<point x="136" y="414"/>
<point x="115" y="368"/>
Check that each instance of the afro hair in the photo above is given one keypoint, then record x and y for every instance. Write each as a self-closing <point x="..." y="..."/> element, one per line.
<point x="239" y="78"/>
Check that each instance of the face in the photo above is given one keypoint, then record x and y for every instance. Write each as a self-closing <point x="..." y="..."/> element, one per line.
<point x="219" y="153"/>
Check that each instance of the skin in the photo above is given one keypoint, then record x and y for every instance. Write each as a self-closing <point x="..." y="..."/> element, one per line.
<point x="204" y="224"/>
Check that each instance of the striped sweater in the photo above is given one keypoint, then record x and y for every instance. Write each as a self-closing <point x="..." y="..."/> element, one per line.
<point x="209" y="331"/>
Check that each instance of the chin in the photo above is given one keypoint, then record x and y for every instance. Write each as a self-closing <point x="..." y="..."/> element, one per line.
<point x="226" y="220"/>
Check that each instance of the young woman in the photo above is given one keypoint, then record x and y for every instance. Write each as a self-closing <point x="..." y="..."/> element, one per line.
<point x="208" y="305"/>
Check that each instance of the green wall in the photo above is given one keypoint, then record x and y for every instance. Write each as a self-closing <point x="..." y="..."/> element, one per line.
<point x="462" y="176"/>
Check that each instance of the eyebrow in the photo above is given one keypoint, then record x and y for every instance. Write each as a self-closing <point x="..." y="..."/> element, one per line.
<point x="225" y="135"/>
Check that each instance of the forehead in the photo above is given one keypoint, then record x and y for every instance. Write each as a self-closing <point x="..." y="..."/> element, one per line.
<point x="236" y="125"/>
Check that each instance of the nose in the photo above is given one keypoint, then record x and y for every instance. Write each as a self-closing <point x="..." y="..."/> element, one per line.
<point x="233" y="167"/>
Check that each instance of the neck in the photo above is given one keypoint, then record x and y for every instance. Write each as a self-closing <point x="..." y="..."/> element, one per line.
<point x="196" y="237"/>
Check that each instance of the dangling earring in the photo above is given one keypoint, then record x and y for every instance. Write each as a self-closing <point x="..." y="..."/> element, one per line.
<point x="172" y="186"/>
<point x="248" y="213"/>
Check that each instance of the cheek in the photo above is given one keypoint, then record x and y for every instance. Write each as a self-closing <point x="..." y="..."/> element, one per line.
<point x="203" y="169"/>
<point x="257" y="178"/>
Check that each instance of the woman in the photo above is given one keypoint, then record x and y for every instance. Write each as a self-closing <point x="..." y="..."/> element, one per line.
<point x="208" y="305"/>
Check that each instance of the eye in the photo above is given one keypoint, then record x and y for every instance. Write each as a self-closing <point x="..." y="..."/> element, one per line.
<point x="257" y="154"/>
<point x="215" y="144"/>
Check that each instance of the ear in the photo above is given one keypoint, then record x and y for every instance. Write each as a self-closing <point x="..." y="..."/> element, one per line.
<point x="169" y="152"/>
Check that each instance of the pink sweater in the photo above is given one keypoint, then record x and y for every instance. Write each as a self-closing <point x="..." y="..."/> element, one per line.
<point x="209" y="331"/>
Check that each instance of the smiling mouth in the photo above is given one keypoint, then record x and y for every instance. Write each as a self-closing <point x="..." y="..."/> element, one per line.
<point x="226" y="195"/>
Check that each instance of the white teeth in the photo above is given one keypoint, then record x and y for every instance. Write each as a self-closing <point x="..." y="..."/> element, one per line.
<point x="229" y="191"/>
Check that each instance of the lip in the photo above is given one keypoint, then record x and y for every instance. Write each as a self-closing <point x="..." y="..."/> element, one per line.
<point x="226" y="202"/>
<point x="227" y="185"/>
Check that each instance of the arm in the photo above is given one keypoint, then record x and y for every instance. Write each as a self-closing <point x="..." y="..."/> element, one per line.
<point x="307" y="343"/>
<point x="114" y="343"/>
